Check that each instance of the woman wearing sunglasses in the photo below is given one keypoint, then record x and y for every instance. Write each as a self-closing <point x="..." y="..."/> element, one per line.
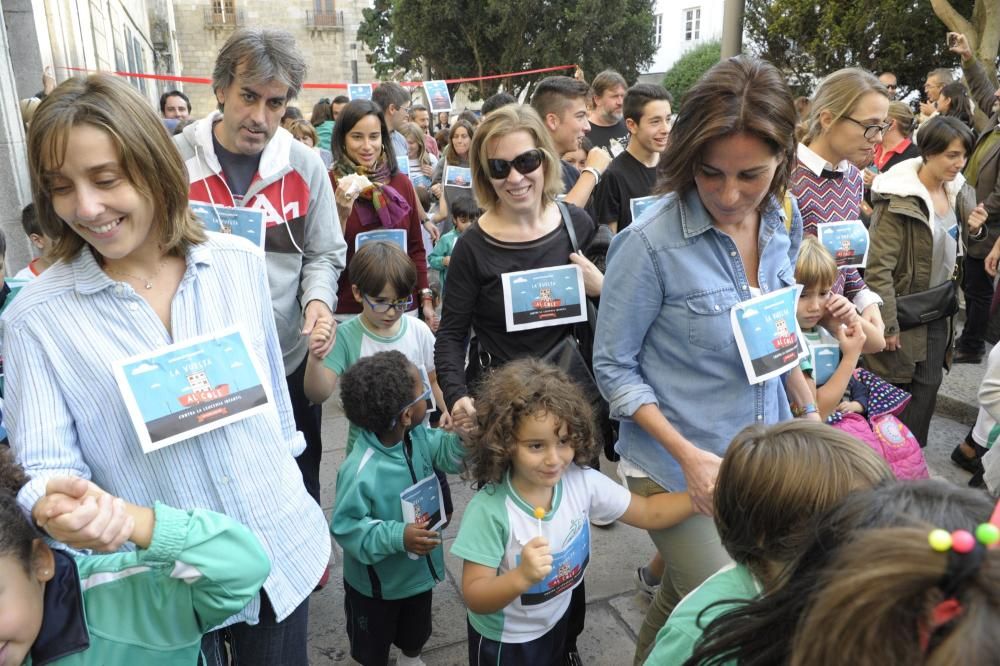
<point x="516" y="176"/>
<point x="666" y="355"/>
<point x="372" y="193"/>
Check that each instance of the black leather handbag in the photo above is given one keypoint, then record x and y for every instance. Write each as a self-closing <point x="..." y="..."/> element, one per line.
<point x="935" y="303"/>
<point x="924" y="307"/>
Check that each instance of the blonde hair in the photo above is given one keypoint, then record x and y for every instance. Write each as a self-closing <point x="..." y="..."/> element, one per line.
<point x="499" y="123"/>
<point x="839" y="94"/>
<point x="413" y="132"/>
<point x="146" y="155"/>
<point x="301" y="129"/>
<point x="815" y="267"/>
<point x="905" y="120"/>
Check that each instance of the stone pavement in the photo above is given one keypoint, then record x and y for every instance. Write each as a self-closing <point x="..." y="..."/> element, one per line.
<point x="614" y="609"/>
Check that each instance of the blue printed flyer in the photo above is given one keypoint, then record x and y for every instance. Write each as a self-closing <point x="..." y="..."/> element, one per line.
<point x="424" y="502"/>
<point x="395" y="236"/>
<point x="638" y="205"/>
<point x="457" y="176"/>
<point x="243" y="222"/>
<point x="359" y="91"/>
<point x="191" y="388"/>
<point x="847" y="242"/>
<point x="825" y="359"/>
<point x="438" y="97"/>
<point x="767" y="334"/>
<point x="543" y="297"/>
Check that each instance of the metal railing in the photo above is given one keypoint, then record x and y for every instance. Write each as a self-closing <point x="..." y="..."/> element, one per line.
<point x="331" y="20"/>
<point x="230" y="19"/>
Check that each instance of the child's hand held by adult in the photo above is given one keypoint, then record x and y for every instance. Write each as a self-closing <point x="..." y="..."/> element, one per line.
<point x="700" y="471"/>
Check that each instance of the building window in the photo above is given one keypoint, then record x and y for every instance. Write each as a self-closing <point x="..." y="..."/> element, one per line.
<point x="224" y="10"/>
<point x="692" y="24"/>
<point x="658" y="28"/>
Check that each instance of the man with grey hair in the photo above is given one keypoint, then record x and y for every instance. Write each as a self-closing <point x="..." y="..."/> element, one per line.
<point x="240" y="157"/>
<point x="937" y="79"/>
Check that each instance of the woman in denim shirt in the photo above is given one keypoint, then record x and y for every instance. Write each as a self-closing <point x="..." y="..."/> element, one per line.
<point x="665" y="353"/>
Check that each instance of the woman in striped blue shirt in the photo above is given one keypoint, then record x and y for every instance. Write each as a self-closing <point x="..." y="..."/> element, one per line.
<point x="137" y="272"/>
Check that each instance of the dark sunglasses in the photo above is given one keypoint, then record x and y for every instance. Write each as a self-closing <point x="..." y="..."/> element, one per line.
<point x="525" y="163"/>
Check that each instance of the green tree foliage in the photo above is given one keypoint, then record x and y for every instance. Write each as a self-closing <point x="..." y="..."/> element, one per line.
<point x="689" y="68"/>
<point x="458" y="39"/>
<point x="385" y="55"/>
<point x="809" y="39"/>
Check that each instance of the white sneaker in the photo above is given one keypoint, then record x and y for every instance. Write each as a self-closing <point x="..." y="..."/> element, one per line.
<point x="641" y="584"/>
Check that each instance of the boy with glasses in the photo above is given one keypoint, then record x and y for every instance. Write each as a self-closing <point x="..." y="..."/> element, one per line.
<point x="383" y="278"/>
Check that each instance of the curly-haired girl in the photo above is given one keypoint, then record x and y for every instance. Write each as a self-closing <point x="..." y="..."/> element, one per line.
<point x="535" y="433"/>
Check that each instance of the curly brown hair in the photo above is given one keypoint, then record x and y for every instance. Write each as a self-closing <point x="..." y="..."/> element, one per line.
<point x="526" y="387"/>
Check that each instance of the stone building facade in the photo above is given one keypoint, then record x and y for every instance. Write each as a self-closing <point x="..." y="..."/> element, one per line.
<point x="72" y="38"/>
<point x="325" y="30"/>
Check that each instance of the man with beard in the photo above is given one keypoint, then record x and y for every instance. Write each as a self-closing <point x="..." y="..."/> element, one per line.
<point x="607" y="128"/>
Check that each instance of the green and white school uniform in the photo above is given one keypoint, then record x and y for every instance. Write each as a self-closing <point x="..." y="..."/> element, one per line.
<point x="498" y="523"/>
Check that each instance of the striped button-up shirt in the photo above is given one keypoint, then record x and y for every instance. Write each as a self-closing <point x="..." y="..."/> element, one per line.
<point x="65" y="415"/>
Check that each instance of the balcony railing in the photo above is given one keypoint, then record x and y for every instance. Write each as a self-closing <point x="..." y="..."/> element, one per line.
<point x="230" y="19"/>
<point x="331" y="20"/>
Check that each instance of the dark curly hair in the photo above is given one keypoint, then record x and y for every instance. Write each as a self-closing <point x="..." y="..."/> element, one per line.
<point x="376" y="389"/>
<point x="526" y="387"/>
<point x="16" y="531"/>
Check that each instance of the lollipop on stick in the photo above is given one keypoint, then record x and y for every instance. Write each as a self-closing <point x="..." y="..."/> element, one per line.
<point x="539" y="514"/>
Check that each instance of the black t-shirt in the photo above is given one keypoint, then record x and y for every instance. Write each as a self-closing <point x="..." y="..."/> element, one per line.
<point x="475" y="299"/>
<point x="570" y="174"/>
<point x="625" y="179"/>
<point x="602" y="136"/>
<point x="239" y="169"/>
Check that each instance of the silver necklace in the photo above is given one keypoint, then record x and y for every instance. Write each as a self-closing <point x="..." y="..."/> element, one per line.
<point x="147" y="282"/>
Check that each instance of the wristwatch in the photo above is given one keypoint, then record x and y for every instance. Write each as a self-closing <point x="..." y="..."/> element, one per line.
<point x="594" y="172"/>
<point x="426" y="295"/>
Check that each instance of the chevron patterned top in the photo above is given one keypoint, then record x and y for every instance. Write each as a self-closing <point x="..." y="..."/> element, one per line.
<point x="827" y="199"/>
<point x="822" y="200"/>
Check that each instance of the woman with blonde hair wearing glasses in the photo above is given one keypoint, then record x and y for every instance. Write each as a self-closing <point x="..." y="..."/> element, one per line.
<point x="846" y="121"/>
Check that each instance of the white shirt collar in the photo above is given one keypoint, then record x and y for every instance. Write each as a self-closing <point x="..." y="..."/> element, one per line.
<point x="815" y="163"/>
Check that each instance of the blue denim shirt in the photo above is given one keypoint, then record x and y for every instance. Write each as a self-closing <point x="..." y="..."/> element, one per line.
<point x="664" y="334"/>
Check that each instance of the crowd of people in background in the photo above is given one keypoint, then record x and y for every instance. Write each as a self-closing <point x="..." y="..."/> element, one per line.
<point x="792" y="517"/>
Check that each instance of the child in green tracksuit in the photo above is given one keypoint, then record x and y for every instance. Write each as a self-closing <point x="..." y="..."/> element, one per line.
<point x="151" y="606"/>
<point x="391" y="561"/>
<point x="464" y="212"/>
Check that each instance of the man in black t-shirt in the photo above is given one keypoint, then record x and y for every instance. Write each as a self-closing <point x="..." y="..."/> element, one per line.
<point x="632" y="174"/>
<point x="607" y="128"/>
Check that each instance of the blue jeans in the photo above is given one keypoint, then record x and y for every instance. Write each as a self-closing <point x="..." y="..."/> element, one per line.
<point x="266" y="643"/>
